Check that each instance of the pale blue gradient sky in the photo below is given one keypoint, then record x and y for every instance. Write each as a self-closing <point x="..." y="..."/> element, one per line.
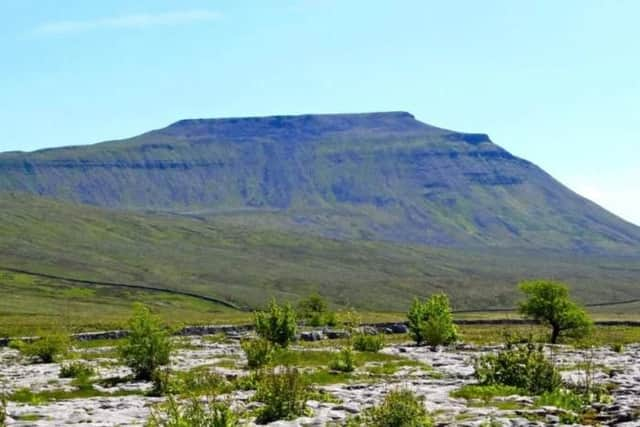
<point x="556" y="82"/>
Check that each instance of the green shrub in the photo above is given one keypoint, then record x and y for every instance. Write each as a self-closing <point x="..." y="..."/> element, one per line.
<point x="284" y="393"/>
<point x="83" y="381"/>
<point x="617" y="347"/>
<point x="45" y="349"/>
<point x="258" y="352"/>
<point x="368" y="343"/>
<point x="431" y="322"/>
<point x="163" y="383"/>
<point x="248" y="382"/>
<point x="548" y="302"/>
<point x="277" y="325"/>
<point x="3" y="410"/>
<point x="193" y="413"/>
<point x="523" y="366"/>
<point x="400" y="408"/>
<point x="344" y="361"/>
<point x="148" y="345"/>
<point x="76" y="369"/>
<point x="314" y="311"/>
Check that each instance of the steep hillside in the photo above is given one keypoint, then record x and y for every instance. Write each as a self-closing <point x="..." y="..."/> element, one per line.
<point x="380" y="176"/>
<point x="245" y="266"/>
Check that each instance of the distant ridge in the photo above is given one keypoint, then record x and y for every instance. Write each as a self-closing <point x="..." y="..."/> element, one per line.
<point x="375" y="176"/>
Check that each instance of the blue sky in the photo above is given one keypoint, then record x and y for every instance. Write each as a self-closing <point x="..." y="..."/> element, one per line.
<point x="556" y="82"/>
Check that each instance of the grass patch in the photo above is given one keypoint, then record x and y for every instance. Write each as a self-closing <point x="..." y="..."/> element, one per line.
<point x="38" y="398"/>
<point x="484" y="392"/>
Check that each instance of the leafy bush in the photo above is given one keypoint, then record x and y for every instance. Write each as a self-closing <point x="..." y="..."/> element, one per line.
<point x="3" y="410"/>
<point x="522" y="366"/>
<point x="148" y="345"/>
<point x="368" y="343"/>
<point x="163" y="383"/>
<point x="314" y="311"/>
<point x="193" y="413"/>
<point x="76" y="370"/>
<point x="44" y="349"/>
<point x="284" y="393"/>
<point x="344" y="361"/>
<point x="400" y="408"/>
<point x="350" y="320"/>
<point x="258" y="352"/>
<point x="248" y="382"/>
<point x="277" y="325"/>
<point x="431" y="322"/>
<point x="548" y="302"/>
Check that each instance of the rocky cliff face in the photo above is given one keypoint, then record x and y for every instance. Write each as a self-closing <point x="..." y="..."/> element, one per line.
<point x="377" y="176"/>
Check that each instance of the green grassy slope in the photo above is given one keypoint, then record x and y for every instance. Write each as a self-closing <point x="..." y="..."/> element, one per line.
<point x="31" y="304"/>
<point x="383" y="176"/>
<point x="245" y="266"/>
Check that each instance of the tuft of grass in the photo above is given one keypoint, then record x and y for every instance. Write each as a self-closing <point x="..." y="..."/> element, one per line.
<point x="368" y="343"/>
<point x="76" y="369"/>
<point x="484" y="392"/>
<point x="343" y="361"/>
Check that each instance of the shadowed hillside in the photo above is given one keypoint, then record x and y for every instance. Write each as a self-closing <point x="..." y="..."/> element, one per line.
<point x="379" y="176"/>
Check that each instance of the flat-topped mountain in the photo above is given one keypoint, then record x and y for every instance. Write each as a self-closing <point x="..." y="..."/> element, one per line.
<point x="381" y="176"/>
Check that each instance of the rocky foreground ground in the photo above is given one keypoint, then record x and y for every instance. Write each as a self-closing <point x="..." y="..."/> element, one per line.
<point x="440" y="372"/>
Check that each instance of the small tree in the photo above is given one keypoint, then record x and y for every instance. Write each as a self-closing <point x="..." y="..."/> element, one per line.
<point x="314" y="311"/>
<point x="148" y="345"/>
<point x="431" y="321"/>
<point x="278" y="324"/>
<point x="548" y="302"/>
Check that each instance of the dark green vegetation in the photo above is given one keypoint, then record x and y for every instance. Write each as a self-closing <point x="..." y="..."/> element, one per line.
<point x="148" y="345"/>
<point x="400" y="408"/>
<point x="193" y="413"/>
<point x="3" y="410"/>
<point x="548" y="303"/>
<point x="369" y="343"/>
<point x="523" y="366"/>
<point x="46" y="349"/>
<point x="258" y="352"/>
<point x="76" y="369"/>
<point x="381" y="176"/>
<point x="245" y="267"/>
<point x="524" y="369"/>
<point x="284" y="393"/>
